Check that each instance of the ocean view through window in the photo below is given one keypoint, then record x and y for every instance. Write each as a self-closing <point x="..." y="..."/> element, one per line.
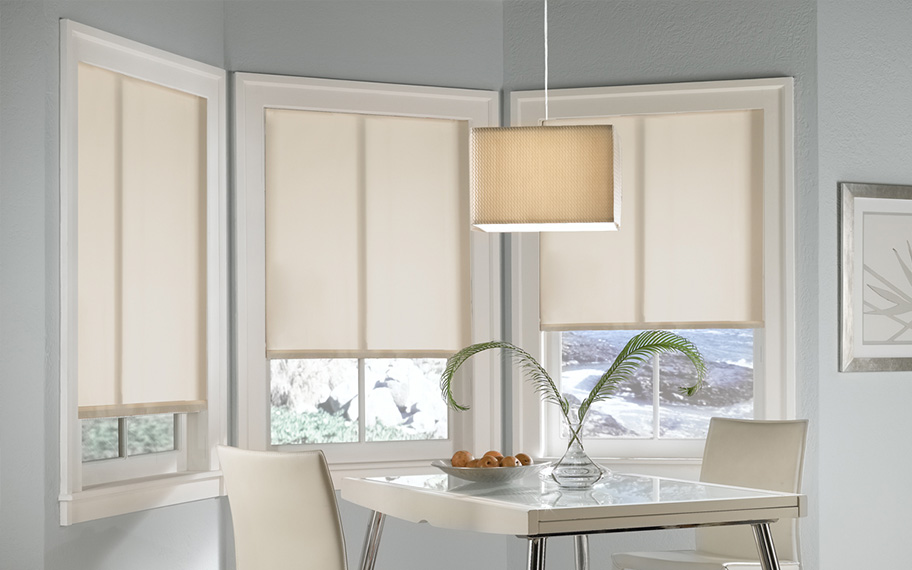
<point x="650" y="406"/>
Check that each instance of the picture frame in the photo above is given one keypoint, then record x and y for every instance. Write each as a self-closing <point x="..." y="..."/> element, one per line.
<point x="875" y="266"/>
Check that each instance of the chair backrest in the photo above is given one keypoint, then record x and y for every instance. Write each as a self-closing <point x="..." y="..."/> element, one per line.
<point x="283" y="509"/>
<point x="759" y="454"/>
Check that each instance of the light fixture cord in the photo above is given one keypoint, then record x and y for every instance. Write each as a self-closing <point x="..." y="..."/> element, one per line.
<point x="546" y="59"/>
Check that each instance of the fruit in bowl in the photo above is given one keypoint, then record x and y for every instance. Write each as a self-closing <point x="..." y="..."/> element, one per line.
<point x="490" y="459"/>
<point x="493" y="467"/>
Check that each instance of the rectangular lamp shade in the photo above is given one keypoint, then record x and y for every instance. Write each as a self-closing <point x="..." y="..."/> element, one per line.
<point x="537" y="179"/>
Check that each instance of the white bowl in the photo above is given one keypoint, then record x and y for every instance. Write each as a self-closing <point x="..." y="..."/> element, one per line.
<point x="489" y="474"/>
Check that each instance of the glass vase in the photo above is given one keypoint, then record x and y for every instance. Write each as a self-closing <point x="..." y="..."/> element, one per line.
<point x="576" y="470"/>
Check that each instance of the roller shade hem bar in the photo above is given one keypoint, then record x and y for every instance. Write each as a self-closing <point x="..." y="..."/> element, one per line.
<point x="652" y="326"/>
<point x="294" y="354"/>
<point x="547" y="227"/>
<point x="124" y="410"/>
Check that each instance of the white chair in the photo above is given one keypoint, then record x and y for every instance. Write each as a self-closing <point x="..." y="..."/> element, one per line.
<point x="745" y="453"/>
<point x="284" y="511"/>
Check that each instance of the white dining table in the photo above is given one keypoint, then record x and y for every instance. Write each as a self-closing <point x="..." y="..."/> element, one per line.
<point x="536" y="509"/>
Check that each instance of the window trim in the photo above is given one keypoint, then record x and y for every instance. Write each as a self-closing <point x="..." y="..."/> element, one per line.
<point x="479" y="428"/>
<point x="78" y="502"/>
<point x="776" y="355"/>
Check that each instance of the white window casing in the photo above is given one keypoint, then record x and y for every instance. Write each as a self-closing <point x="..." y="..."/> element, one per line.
<point x="169" y="111"/>
<point x="342" y="110"/>
<point x="764" y="109"/>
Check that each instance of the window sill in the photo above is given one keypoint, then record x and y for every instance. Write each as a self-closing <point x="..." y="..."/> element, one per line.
<point x="124" y="497"/>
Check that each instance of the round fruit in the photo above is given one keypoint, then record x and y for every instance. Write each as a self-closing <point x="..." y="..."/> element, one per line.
<point x="488" y="461"/>
<point x="510" y="461"/>
<point x="524" y="459"/>
<point x="494" y="453"/>
<point x="461" y="459"/>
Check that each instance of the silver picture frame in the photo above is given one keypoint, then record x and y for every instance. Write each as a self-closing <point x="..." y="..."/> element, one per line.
<point x="875" y="272"/>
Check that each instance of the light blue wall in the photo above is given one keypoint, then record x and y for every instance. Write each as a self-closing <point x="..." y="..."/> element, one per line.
<point x="483" y="44"/>
<point x="865" y="114"/>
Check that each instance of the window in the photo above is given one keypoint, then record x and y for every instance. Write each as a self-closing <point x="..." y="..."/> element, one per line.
<point x="143" y="281"/>
<point x="317" y="401"/>
<point x="650" y="407"/>
<point x="357" y="269"/>
<point x="722" y="196"/>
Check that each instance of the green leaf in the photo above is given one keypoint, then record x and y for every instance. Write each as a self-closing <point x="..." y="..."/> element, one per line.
<point x="533" y="372"/>
<point x="638" y="350"/>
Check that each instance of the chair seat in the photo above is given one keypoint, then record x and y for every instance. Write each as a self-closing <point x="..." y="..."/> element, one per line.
<point x="687" y="560"/>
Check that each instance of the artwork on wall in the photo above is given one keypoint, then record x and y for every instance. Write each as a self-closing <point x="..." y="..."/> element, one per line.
<point x="875" y="277"/>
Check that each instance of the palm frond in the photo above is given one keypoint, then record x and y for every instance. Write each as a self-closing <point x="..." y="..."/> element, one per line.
<point x="638" y="350"/>
<point x="532" y="371"/>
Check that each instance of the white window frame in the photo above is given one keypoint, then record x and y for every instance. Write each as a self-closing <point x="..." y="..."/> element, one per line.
<point x="111" y="487"/>
<point x="774" y="363"/>
<point x="477" y="429"/>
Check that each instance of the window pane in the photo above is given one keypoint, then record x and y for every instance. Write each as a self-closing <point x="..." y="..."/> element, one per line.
<point x="403" y="399"/>
<point x="314" y="400"/>
<point x="150" y="434"/>
<point x="586" y="356"/>
<point x="100" y="439"/>
<point x="728" y="390"/>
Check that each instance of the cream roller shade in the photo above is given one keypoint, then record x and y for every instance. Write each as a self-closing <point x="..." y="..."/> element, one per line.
<point x="690" y="252"/>
<point x="141" y="247"/>
<point x="366" y="235"/>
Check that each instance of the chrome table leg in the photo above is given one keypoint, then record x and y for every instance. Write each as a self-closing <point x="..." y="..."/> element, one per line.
<point x="764" y="539"/>
<point x="582" y="551"/>
<point x="372" y="540"/>
<point x="536" y="557"/>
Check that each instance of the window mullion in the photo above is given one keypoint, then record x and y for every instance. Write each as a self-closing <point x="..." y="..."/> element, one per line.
<point x="656" y="389"/>
<point x="362" y="405"/>
<point x="121" y="437"/>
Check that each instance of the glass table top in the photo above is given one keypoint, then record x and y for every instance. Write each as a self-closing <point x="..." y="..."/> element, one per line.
<point x="614" y="489"/>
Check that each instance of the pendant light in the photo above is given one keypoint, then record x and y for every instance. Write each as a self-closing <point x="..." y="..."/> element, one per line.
<point x="533" y="179"/>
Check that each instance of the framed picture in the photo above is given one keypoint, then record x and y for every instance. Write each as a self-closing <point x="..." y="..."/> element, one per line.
<point x="875" y="277"/>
